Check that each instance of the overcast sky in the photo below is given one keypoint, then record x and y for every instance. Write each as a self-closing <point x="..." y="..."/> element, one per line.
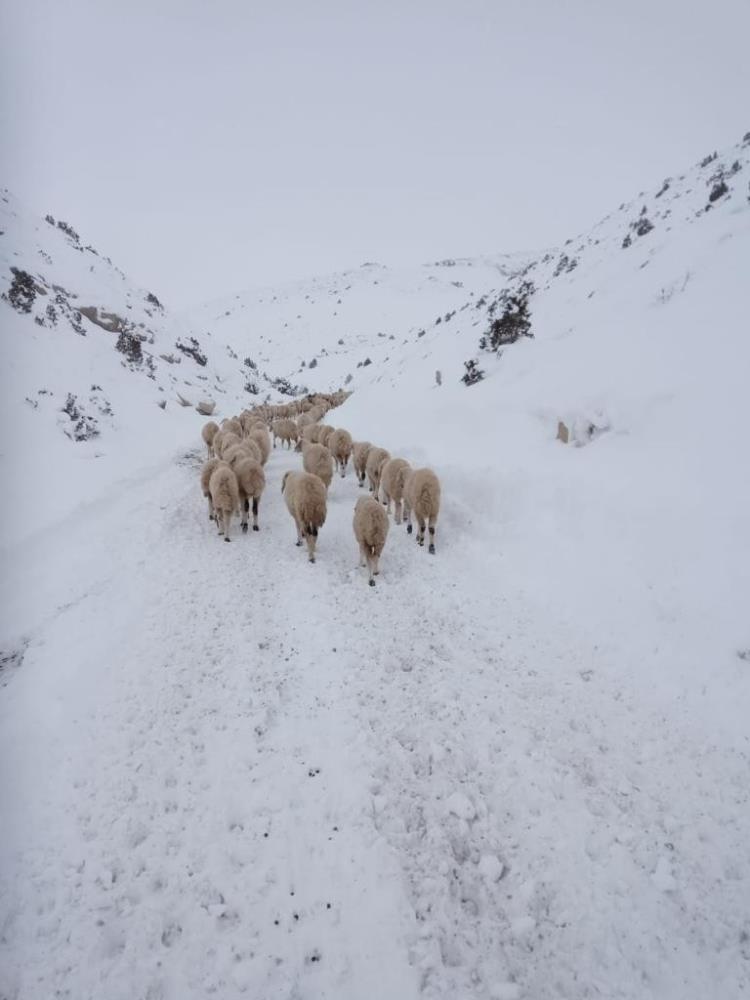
<point x="213" y="145"/>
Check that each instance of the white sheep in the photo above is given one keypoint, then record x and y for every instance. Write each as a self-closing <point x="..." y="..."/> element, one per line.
<point x="371" y="530"/>
<point x="376" y="459"/>
<point x="208" y="433"/>
<point x="224" y="441"/>
<point x="317" y="459"/>
<point x="422" y="498"/>
<point x="206" y="472"/>
<point x="251" y="482"/>
<point x="360" y="451"/>
<point x="392" y="480"/>
<point x="225" y="497"/>
<point x="324" y="433"/>
<point x="263" y="439"/>
<point x="305" y="497"/>
<point x="245" y="449"/>
<point x="233" y="425"/>
<point x="285" y="430"/>
<point x="340" y="446"/>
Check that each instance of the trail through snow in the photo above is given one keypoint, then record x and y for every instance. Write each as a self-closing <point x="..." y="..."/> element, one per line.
<point x="232" y="773"/>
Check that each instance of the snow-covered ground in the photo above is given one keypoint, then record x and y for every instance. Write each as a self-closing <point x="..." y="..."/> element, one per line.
<point x="517" y="769"/>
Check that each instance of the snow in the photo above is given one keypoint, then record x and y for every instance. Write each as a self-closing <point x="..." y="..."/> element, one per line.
<point x="516" y="769"/>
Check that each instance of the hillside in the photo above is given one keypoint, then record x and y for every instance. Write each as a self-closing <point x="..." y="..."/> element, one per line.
<point x="94" y="370"/>
<point x="516" y="770"/>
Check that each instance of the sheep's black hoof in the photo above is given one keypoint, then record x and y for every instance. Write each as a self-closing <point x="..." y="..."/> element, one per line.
<point x="298" y="544"/>
<point x="312" y="559"/>
<point x="408" y="529"/>
<point x="372" y="583"/>
<point x="432" y="549"/>
<point x="225" y="538"/>
<point x="256" y="528"/>
<point x="244" y="529"/>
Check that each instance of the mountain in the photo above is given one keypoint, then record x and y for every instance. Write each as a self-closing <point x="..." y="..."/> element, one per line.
<point x="515" y="769"/>
<point x="99" y="374"/>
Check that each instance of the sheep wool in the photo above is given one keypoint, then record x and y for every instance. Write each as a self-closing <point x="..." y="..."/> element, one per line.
<point x="208" y="433"/>
<point x="371" y="530"/>
<point x="227" y="439"/>
<point x="360" y="451"/>
<point x="234" y="426"/>
<point x="263" y="439"/>
<point x="317" y="459"/>
<point x="284" y="429"/>
<point x="251" y="481"/>
<point x="422" y="498"/>
<point x="305" y="497"/>
<point x="376" y="459"/>
<point x="206" y="473"/>
<point x="392" y="482"/>
<point x="224" y="496"/>
<point x="324" y="434"/>
<point x="340" y="445"/>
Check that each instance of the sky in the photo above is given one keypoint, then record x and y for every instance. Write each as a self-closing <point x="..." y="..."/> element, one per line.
<point x="210" y="146"/>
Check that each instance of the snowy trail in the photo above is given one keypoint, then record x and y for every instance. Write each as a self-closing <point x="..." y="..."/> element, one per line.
<point x="235" y="774"/>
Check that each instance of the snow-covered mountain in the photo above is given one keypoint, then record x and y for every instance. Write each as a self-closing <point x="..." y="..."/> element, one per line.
<point x="99" y="374"/>
<point x="368" y="324"/>
<point x="514" y="771"/>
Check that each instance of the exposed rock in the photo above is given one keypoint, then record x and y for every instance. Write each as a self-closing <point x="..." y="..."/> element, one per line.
<point x="108" y="321"/>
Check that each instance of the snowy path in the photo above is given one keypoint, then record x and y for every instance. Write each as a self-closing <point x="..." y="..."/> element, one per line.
<point x="229" y="773"/>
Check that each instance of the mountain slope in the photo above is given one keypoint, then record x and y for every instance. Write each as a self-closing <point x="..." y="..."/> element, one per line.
<point x="330" y="329"/>
<point x="94" y="369"/>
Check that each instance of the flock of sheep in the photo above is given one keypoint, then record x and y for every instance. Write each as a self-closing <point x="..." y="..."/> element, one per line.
<point x="233" y="478"/>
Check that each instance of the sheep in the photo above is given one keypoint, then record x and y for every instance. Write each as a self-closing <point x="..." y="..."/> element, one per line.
<point x="360" y="451"/>
<point x="371" y="530"/>
<point x="209" y="432"/>
<point x="285" y="430"/>
<point x="251" y="481"/>
<point x="305" y="497"/>
<point x="340" y="446"/>
<point x="225" y="497"/>
<point x="249" y="419"/>
<point x="317" y="459"/>
<point x="422" y="497"/>
<point x="225" y="441"/>
<point x="233" y="425"/>
<point x="376" y="459"/>
<point x="216" y="442"/>
<point x="245" y="449"/>
<point x="324" y="434"/>
<point x="263" y="439"/>
<point x="206" y="472"/>
<point x="392" y="480"/>
<point x="308" y="435"/>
